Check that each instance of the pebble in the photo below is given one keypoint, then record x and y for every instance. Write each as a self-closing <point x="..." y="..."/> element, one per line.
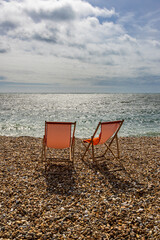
<point x="83" y="201"/>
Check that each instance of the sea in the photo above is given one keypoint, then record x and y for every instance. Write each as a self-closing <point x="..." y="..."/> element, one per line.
<point x="25" y="114"/>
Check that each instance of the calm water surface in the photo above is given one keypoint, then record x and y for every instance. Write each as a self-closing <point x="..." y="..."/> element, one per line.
<point x="25" y="114"/>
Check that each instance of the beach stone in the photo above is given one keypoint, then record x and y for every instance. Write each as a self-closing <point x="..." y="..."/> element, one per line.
<point x="85" y="201"/>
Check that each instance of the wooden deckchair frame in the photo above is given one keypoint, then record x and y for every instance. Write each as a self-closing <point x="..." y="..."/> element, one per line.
<point x="108" y="143"/>
<point x="71" y="148"/>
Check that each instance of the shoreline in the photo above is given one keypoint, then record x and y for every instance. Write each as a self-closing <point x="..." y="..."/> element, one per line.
<point x="80" y="202"/>
<point x="155" y="135"/>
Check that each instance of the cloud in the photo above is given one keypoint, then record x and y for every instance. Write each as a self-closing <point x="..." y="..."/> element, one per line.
<point x="67" y="40"/>
<point x="2" y="78"/>
<point x="21" y="84"/>
<point x="24" y="19"/>
<point x="58" y="14"/>
<point x="140" y="80"/>
<point x="46" y="36"/>
<point x="7" y="26"/>
<point x="4" y="48"/>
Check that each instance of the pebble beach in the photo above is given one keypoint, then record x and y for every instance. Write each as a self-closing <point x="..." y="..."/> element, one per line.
<point x="115" y="199"/>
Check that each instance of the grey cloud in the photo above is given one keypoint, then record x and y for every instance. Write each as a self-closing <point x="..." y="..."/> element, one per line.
<point x="6" y="86"/>
<point x="77" y="45"/>
<point x="47" y="35"/>
<point x="2" y="50"/>
<point x="7" y="26"/>
<point x="112" y="52"/>
<point x="47" y="39"/>
<point x="109" y="63"/>
<point x="65" y="13"/>
<point x="150" y="80"/>
<point x="105" y="81"/>
<point x="84" y="55"/>
<point x="27" y="84"/>
<point x="2" y="78"/>
<point x="127" y="81"/>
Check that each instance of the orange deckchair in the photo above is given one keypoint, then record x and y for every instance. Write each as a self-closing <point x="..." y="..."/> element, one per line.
<point x="108" y="134"/>
<point x="58" y="136"/>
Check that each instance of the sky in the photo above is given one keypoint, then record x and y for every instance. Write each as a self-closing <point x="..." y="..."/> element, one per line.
<point x="80" y="46"/>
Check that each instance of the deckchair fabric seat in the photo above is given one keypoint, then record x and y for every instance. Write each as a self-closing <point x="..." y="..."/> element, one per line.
<point x="109" y="133"/>
<point x="62" y="133"/>
<point x="59" y="135"/>
<point x="95" y="140"/>
<point x="107" y="130"/>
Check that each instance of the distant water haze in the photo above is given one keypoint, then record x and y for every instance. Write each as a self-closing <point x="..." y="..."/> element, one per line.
<point x="25" y="114"/>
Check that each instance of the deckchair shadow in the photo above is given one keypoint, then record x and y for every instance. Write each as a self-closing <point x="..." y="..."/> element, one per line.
<point x="108" y="135"/>
<point x="59" y="135"/>
<point x="60" y="179"/>
<point x="117" y="184"/>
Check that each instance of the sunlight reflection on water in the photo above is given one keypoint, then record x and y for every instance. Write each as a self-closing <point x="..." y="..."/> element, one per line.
<point x="25" y="114"/>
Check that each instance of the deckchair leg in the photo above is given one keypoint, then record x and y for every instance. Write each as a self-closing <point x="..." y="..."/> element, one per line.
<point x="93" y="152"/>
<point x="73" y="149"/>
<point x="108" y="148"/>
<point x="73" y="153"/>
<point x="42" y="153"/>
<point x="87" y="148"/>
<point x="117" y="146"/>
<point x="43" y="146"/>
<point x="70" y="154"/>
<point x="45" y="153"/>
